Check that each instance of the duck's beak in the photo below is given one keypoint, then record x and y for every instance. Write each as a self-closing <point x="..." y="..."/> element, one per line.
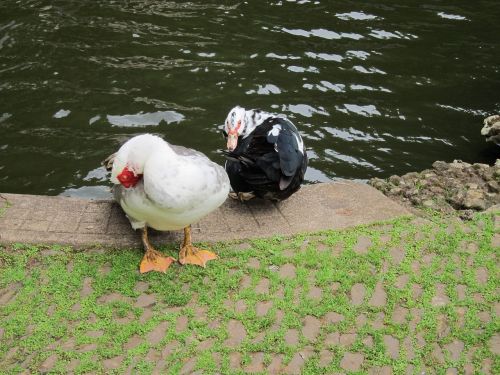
<point x="232" y="141"/>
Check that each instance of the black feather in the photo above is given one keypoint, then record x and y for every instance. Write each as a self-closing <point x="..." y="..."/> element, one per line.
<point x="268" y="162"/>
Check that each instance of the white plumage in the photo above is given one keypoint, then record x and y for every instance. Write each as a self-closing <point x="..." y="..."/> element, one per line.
<point x="165" y="187"/>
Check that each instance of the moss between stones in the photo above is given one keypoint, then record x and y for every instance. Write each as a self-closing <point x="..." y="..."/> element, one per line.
<point x="91" y="311"/>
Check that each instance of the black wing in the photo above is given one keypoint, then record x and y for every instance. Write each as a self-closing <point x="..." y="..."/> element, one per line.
<point x="270" y="157"/>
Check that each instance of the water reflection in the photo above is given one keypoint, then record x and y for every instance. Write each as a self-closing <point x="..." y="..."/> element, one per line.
<point x="145" y="119"/>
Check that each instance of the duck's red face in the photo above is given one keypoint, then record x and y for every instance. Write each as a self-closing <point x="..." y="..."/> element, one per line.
<point x="128" y="178"/>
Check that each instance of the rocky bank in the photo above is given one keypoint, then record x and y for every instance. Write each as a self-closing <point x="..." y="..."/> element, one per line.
<point x="447" y="187"/>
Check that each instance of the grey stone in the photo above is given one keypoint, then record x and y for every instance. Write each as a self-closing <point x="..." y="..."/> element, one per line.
<point x="80" y="222"/>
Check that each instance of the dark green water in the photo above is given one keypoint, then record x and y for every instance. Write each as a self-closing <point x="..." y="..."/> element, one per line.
<point x="376" y="87"/>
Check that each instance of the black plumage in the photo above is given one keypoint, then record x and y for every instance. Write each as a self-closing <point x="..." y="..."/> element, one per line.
<point x="270" y="161"/>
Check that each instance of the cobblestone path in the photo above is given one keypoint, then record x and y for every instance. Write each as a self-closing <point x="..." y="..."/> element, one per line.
<point x="404" y="297"/>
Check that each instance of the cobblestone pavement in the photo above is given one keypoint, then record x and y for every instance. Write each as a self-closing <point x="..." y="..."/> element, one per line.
<point x="410" y="296"/>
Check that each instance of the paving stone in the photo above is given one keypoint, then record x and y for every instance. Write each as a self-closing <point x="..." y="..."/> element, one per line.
<point x="332" y="318"/>
<point x="105" y="269"/>
<point x="399" y="315"/>
<point x="188" y="367"/>
<point x="134" y="341"/>
<point x="397" y="254"/>
<point x="243" y="246"/>
<point x="240" y="306"/>
<point x="141" y="287"/>
<point x="482" y="275"/>
<point x="361" y="320"/>
<point x="145" y="300"/>
<point x="440" y="298"/>
<point x="87" y="287"/>
<point x="234" y="360"/>
<point x="95" y="334"/>
<point x="8" y="294"/>
<point x="263" y="286"/>
<point x="392" y="346"/>
<point x="113" y="363"/>
<point x="48" y="364"/>
<point x="332" y="339"/>
<point x="379" y="296"/>
<point x="416" y="291"/>
<point x="292" y="337"/>
<point x="287" y="271"/>
<point x="401" y="281"/>
<point x="237" y="333"/>
<point x="347" y="339"/>
<point x="72" y="365"/>
<point x="408" y="348"/>
<point x="147" y="313"/>
<point x="181" y="323"/>
<point x="468" y="369"/>
<point x="204" y="345"/>
<point x="416" y="316"/>
<point x="113" y="297"/>
<point x="311" y="327"/>
<point x="245" y="281"/>
<point x="335" y="287"/>
<point x="169" y="349"/>
<point x="256" y="363"/>
<point x="455" y="348"/>
<point x="157" y="334"/>
<point x="254" y="263"/>
<point x="495" y="242"/>
<point x="153" y="355"/>
<point x="368" y="341"/>
<point x="275" y="367"/>
<point x="437" y="354"/>
<point x="352" y="361"/>
<point x="262" y="308"/>
<point x="295" y="365"/>
<point x="378" y="321"/>
<point x="461" y="311"/>
<point x="362" y="245"/>
<point x="443" y="328"/>
<point x="494" y="344"/>
<point x="325" y="357"/>
<point x="486" y="366"/>
<point x="419" y="339"/>
<point x="384" y="370"/>
<point x="461" y="292"/>
<point x="315" y="293"/>
<point x="451" y="371"/>
<point x="484" y="316"/>
<point x="357" y="294"/>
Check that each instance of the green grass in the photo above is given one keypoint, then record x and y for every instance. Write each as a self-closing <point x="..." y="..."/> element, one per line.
<point x="49" y="311"/>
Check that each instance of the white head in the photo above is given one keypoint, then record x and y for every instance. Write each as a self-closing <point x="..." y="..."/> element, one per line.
<point x="129" y="161"/>
<point x="234" y="126"/>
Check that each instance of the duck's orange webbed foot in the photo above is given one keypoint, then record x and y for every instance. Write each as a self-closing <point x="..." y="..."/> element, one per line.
<point x="153" y="260"/>
<point x="192" y="255"/>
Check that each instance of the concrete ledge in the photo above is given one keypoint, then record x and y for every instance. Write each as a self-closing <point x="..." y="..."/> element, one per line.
<point x="79" y="222"/>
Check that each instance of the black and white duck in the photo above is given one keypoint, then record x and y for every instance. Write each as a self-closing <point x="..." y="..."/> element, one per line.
<point x="265" y="154"/>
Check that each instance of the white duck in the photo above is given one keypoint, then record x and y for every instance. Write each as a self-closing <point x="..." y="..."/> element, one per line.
<point x="166" y="187"/>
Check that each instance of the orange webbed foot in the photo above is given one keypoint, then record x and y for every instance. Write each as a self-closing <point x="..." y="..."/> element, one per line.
<point x="192" y="255"/>
<point x="154" y="261"/>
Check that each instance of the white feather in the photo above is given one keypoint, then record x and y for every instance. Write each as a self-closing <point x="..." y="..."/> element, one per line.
<point x="179" y="185"/>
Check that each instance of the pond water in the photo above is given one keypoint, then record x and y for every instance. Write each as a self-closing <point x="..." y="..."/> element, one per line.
<point x="376" y="87"/>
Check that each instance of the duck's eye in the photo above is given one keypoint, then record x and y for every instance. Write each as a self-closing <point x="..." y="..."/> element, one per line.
<point x="224" y="133"/>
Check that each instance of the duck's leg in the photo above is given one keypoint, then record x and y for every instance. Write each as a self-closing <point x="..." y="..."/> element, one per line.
<point x="242" y="196"/>
<point x="192" y="255"/>
<point x="153" y="260"/>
